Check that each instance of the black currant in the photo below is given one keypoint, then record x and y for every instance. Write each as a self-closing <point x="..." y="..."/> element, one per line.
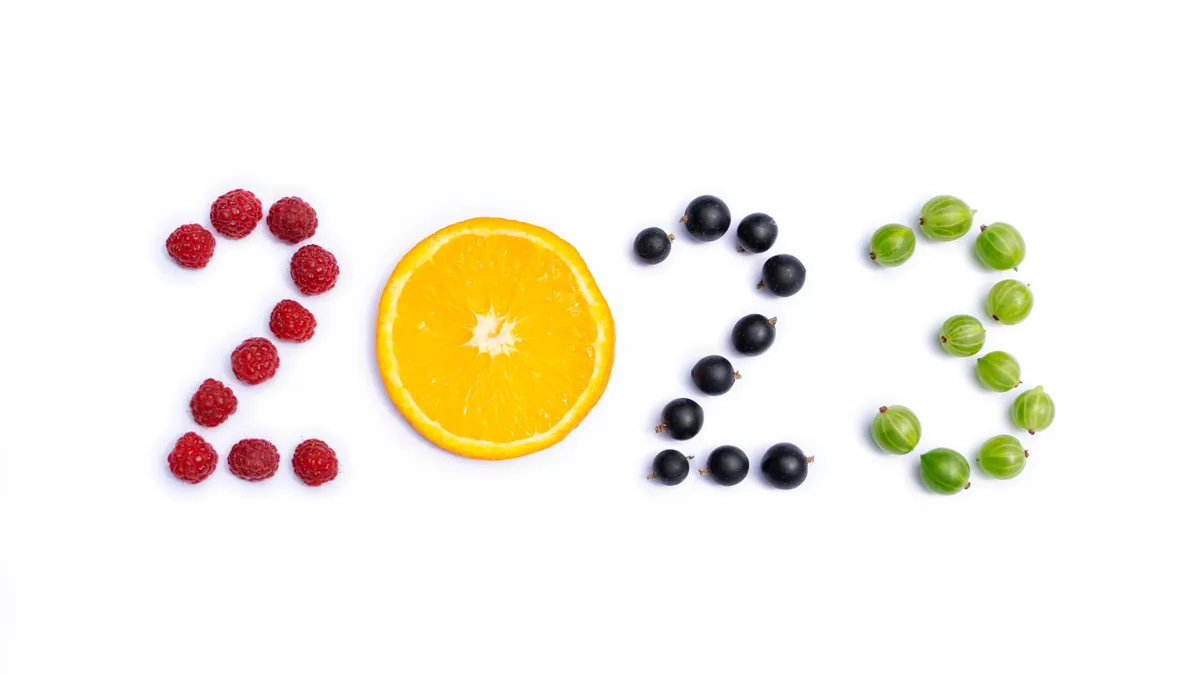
<point x="653" y="245"/>
<point x="714" y="375"/>
<point x="785" y="466"/>
<point x="783" y="274"/>
<point x="756" y="233"/>
<point x="670" y="467"/>
<point x="753" y="334"/>
<point x="707" y="218"/>
<point x="727" y="465"/>
<point x="681" y="419"/>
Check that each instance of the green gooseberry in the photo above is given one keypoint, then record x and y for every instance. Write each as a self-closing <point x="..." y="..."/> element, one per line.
<point x="1002" y="457"/>
<point x="896" y="430"/>
<point x="1033" y="410"/>
<point x="962" y="335"/>
<point x="945" y="471"/>
<point x="1009" y="302"/>
<point x="946" y="218"/>
<point x="1000" y="246"/>
<point x="998" y="371"/>
<point x="893" y="245"/>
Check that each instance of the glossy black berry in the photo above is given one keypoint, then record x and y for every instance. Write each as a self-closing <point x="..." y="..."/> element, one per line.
<point x="707" y="218"/>
<point x="670" y="467"/>
<point x="753" y="334"/>
<point x="756" y="233"/>
<point x="785" y="466"/>
<point x="783" y="274"/>
<point x="653" y="245"/>
<point x="727" y="465"/>
<point x="682" y="419"/>
<point x="714" y="375"/>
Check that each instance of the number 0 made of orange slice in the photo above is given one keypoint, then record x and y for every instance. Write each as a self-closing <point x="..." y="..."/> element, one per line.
<point x="493" y="338"/>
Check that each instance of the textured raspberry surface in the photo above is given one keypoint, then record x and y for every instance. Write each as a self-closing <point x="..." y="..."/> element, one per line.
<point x="255" y="361"/>
<point x="253" y="459"/>
<point x="314" y="270"/>
<point x="191" y="246"/>
<point x="213" y="403"/>
<point x="292" y="220"/>
<point x="193" y="459"/>
<point x="315" y="462"/>
<point x="292" y="322"/>
<point x="236" y="213"/>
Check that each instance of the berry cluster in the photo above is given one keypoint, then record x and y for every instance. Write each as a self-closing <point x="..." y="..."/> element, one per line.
<point x="784" y="465"/>
<point x="999" y="246"/>
<point x="314" y="270"/>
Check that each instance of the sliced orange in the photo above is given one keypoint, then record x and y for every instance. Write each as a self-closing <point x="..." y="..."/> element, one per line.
<point x="493" y="338"/>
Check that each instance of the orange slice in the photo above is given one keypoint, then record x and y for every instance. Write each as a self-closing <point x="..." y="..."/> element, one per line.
<point x="493" y="339"/>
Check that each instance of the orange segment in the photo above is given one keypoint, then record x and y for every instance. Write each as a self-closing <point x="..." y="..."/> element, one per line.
<point x="493" y="339"/>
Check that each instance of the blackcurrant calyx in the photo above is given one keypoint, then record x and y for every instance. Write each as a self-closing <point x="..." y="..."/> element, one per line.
<point x="714" y="375"/>
<point x="707" y="218"/>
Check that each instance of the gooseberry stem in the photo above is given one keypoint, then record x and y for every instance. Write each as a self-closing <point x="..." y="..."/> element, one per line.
<point x="1026" y="453"/>
<point x="967" y="486"/>
<point x="883" y="408"/>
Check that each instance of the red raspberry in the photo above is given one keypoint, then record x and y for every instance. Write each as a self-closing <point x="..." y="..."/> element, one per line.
<point x="314" y="270"/>
<point x="291" y="321"/>
<point x="253" y="459"/>
<point x="213" y="403"/>
<point x="255" y="361"/>
<point x="315" y="462"/>
<point x="236" y="213"/>
<point x="292" y="220"/>
<point x="191" y="246"/>
<point x="193" y="459"/>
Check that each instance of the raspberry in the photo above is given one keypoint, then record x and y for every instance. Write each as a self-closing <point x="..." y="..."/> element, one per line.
<point x="236" y="213"/>
<point x="193" y="459"/>
<point x="253" y="459"/>
<point x="291" y="321"/>
<point x="315" y="462"/>
<point x="191" y="246"/>
<point x="255" y="361"/>
<point x="314" y="269"/>
<point x="292" y="220"/>
<point x="213" y="403"/>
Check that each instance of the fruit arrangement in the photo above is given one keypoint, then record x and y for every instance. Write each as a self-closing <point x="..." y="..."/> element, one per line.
<point x="783" y="465"/>
<point x="999" y="246"/>
<point x="234" y="215"/>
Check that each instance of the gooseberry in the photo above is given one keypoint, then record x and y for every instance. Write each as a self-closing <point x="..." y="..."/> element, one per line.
<point x="946" y="218"/>
<point x="998" y="371"/>
<point x="945" y="471"/>
<point x="1033" y="410"/>
<point x="1009" y="302"/>
<point x="962" y="335"/>
<point x="896" y="430"/>
<point x="1002" y="457"/>
<point x="893" y="245"/>
<point x="1000" y="246"/>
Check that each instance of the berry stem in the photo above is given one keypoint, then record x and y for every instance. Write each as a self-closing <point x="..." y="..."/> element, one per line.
<point x="691" y="457"/>
<point x="652" y="476"/>
<point x="967" y="486"/>
<point x="812" y="459"/>
<point x="683" y="219"/>
<point x="773" y="320"/>
<point x="1026" y="453"/>
<point x="883" y="408"/>
<point x="670" y="237"/>
<point x="737" y="375"/>
<point x="741" y="250"/>
<point x="982" y="228"/>
<point x="660" y="428"/>
<point x="872" y="255"/>
<point x="704" y="471"/>
<point x="761" y="285"/>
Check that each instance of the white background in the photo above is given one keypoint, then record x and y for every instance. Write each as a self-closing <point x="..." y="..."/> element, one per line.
<point x="1075" y="122"/>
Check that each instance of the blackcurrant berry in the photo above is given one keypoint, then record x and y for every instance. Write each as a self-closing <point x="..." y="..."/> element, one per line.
<point x="653" y="245"/>
<point x="756" y="233"/>
<point x="670" y="467"/>
<point x="681" y="419"/>
<point x="753" y="334"/>
<point x="783" y="275"/>
<point x="714" y="375"/>
<point x="785" y="466"/>
<point x="727" y="465"/>
<point x="707" y="218"/>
